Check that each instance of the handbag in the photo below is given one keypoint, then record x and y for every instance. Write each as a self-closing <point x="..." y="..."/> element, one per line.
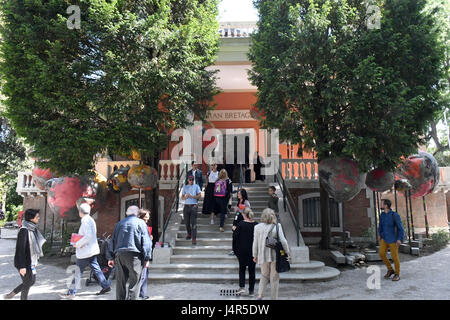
<point x="282" y="264"/>
<point x="271" y="242"/>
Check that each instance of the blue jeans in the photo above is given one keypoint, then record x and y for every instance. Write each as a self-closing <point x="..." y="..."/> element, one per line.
<point x="144" y="278"/>
<point x="82" y="264"/>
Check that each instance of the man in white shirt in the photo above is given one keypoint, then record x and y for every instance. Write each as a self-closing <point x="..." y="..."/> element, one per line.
<point x="87" y="250"/>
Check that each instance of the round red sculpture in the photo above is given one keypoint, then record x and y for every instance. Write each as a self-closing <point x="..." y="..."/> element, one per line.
<point x="341" y="178"/>
<point x="41" y="176"/>
<point x="379" y="180"/>
<point x="422" y="172"/>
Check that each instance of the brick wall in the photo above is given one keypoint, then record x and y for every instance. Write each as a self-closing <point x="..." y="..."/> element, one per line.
<point x="437" y="210"/>
<point x="356" y="219"/>
<point x="46" y="214"/>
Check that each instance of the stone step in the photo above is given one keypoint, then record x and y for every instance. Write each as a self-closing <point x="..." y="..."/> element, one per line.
<point x="204" y="258"/>
<point x="189" y="249"/>
<point x="206" y="242"/>
<point x="326" y="274"/>
<point x="206" y="235"/>
<point x="207" y="227"/>
<point x="233" y="267"/>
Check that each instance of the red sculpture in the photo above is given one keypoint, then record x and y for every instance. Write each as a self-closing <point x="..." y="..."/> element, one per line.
<point x="379" y="180"/>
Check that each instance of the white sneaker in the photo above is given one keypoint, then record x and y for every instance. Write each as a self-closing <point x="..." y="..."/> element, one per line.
<point x="240" y="291"/>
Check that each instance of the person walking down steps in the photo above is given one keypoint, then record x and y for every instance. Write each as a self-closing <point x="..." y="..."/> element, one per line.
<point x="209" y="201"/>
<point x="222" y="193"/>
<point x="191" y="194"/>
<point x="28" y="251"/>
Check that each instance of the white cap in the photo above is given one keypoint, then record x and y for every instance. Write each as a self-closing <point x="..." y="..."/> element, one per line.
<point x="132" y="210"/>
<point x="85" y="208"/>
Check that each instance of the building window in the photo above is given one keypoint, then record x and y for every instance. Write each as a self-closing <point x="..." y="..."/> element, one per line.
<point x="311" y="213"/>
<point x="134" y="202"/>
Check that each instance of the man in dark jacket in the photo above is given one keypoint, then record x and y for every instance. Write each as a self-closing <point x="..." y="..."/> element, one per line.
<point x="130" y="249"/>
<point x="390" y="235"/>
<point x="197" y="174"/>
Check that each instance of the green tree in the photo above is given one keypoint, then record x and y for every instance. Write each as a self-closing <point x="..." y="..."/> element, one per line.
<point x="133" y="72"/>
<point x="333" y="85"/>
<point x="441" y="138"/>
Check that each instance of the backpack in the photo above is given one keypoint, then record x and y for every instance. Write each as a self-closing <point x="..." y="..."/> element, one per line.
<point x="220" y="188"/>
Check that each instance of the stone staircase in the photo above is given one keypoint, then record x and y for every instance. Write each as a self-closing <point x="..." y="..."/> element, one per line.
<point x="209" y="260"/>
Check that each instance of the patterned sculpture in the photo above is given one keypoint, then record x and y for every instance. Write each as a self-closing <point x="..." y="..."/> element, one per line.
<point x="64" y="192"/>
<point x="41" y="176"/>
<point x="422" y="172"/>
<point x="142" y="176"/>
<point x="118" y="181"/>
<point x="379" y="180"/>
<point x="341" y="178"/>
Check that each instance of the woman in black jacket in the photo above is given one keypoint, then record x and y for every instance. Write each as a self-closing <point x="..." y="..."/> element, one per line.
<point x="28" y="251"/>
<point x="243" y="248"/>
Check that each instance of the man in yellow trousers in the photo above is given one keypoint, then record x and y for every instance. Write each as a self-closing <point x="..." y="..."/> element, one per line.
<point x="390" y="235"/>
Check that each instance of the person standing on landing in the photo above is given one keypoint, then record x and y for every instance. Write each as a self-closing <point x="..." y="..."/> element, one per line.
<point x="390" y="235"/>
<point x="243" y="246"/>
<point x="266" y="257"/>
<point x="130" y="250"/>
<point x="144" y="214"/>
<point x="191" y="194"/>
<point x="28" y="251"/>
<point x="238" y="210"/>
<point x="87" y="250"/>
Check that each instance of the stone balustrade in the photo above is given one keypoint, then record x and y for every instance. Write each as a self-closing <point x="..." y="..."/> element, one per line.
<point x="299" y="169"/>
<point x="236" y="29"/>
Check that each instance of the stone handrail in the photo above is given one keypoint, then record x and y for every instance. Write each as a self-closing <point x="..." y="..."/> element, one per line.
<point x="299" y="169"/>
<point x="25" y="185"/>
<point x="236" y="29"/>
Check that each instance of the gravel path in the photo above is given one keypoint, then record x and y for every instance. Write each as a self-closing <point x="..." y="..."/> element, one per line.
<point x="422" y="278"/>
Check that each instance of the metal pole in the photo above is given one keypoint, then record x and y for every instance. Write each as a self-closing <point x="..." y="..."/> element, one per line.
<point x="407" y="220"/>
<point x="343" y="229"/>
<point x="395" y="195"/>
<point x="426" y="218"/>
<point x="411" y="212"/>
<point x="140" y="198"/>
<point x="375" y="211"/>
<point x="45" y="212"/>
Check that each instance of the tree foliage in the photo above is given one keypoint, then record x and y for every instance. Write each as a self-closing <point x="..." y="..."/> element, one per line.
<point x="342" y="89"/>
<point x="131" y="73"/>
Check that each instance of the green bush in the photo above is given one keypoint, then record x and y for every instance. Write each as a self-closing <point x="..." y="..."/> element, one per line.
<point x="12" y="212"/>
<point x="439" y="239"/>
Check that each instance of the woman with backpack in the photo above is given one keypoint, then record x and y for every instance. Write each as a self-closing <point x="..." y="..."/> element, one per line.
<point x="222" y="193"/>
<point x="242" y="246"/>
<point x="238" y="210"/>
<point x="209" y="201"/>
<point x="265" y="256"/>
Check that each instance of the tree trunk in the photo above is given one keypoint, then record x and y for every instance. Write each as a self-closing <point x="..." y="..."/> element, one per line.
<point x="325" y="241"/>
<point x="152" y="198"/>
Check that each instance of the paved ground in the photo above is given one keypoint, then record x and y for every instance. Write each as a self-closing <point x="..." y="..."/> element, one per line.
<point x="422" y="278"/>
